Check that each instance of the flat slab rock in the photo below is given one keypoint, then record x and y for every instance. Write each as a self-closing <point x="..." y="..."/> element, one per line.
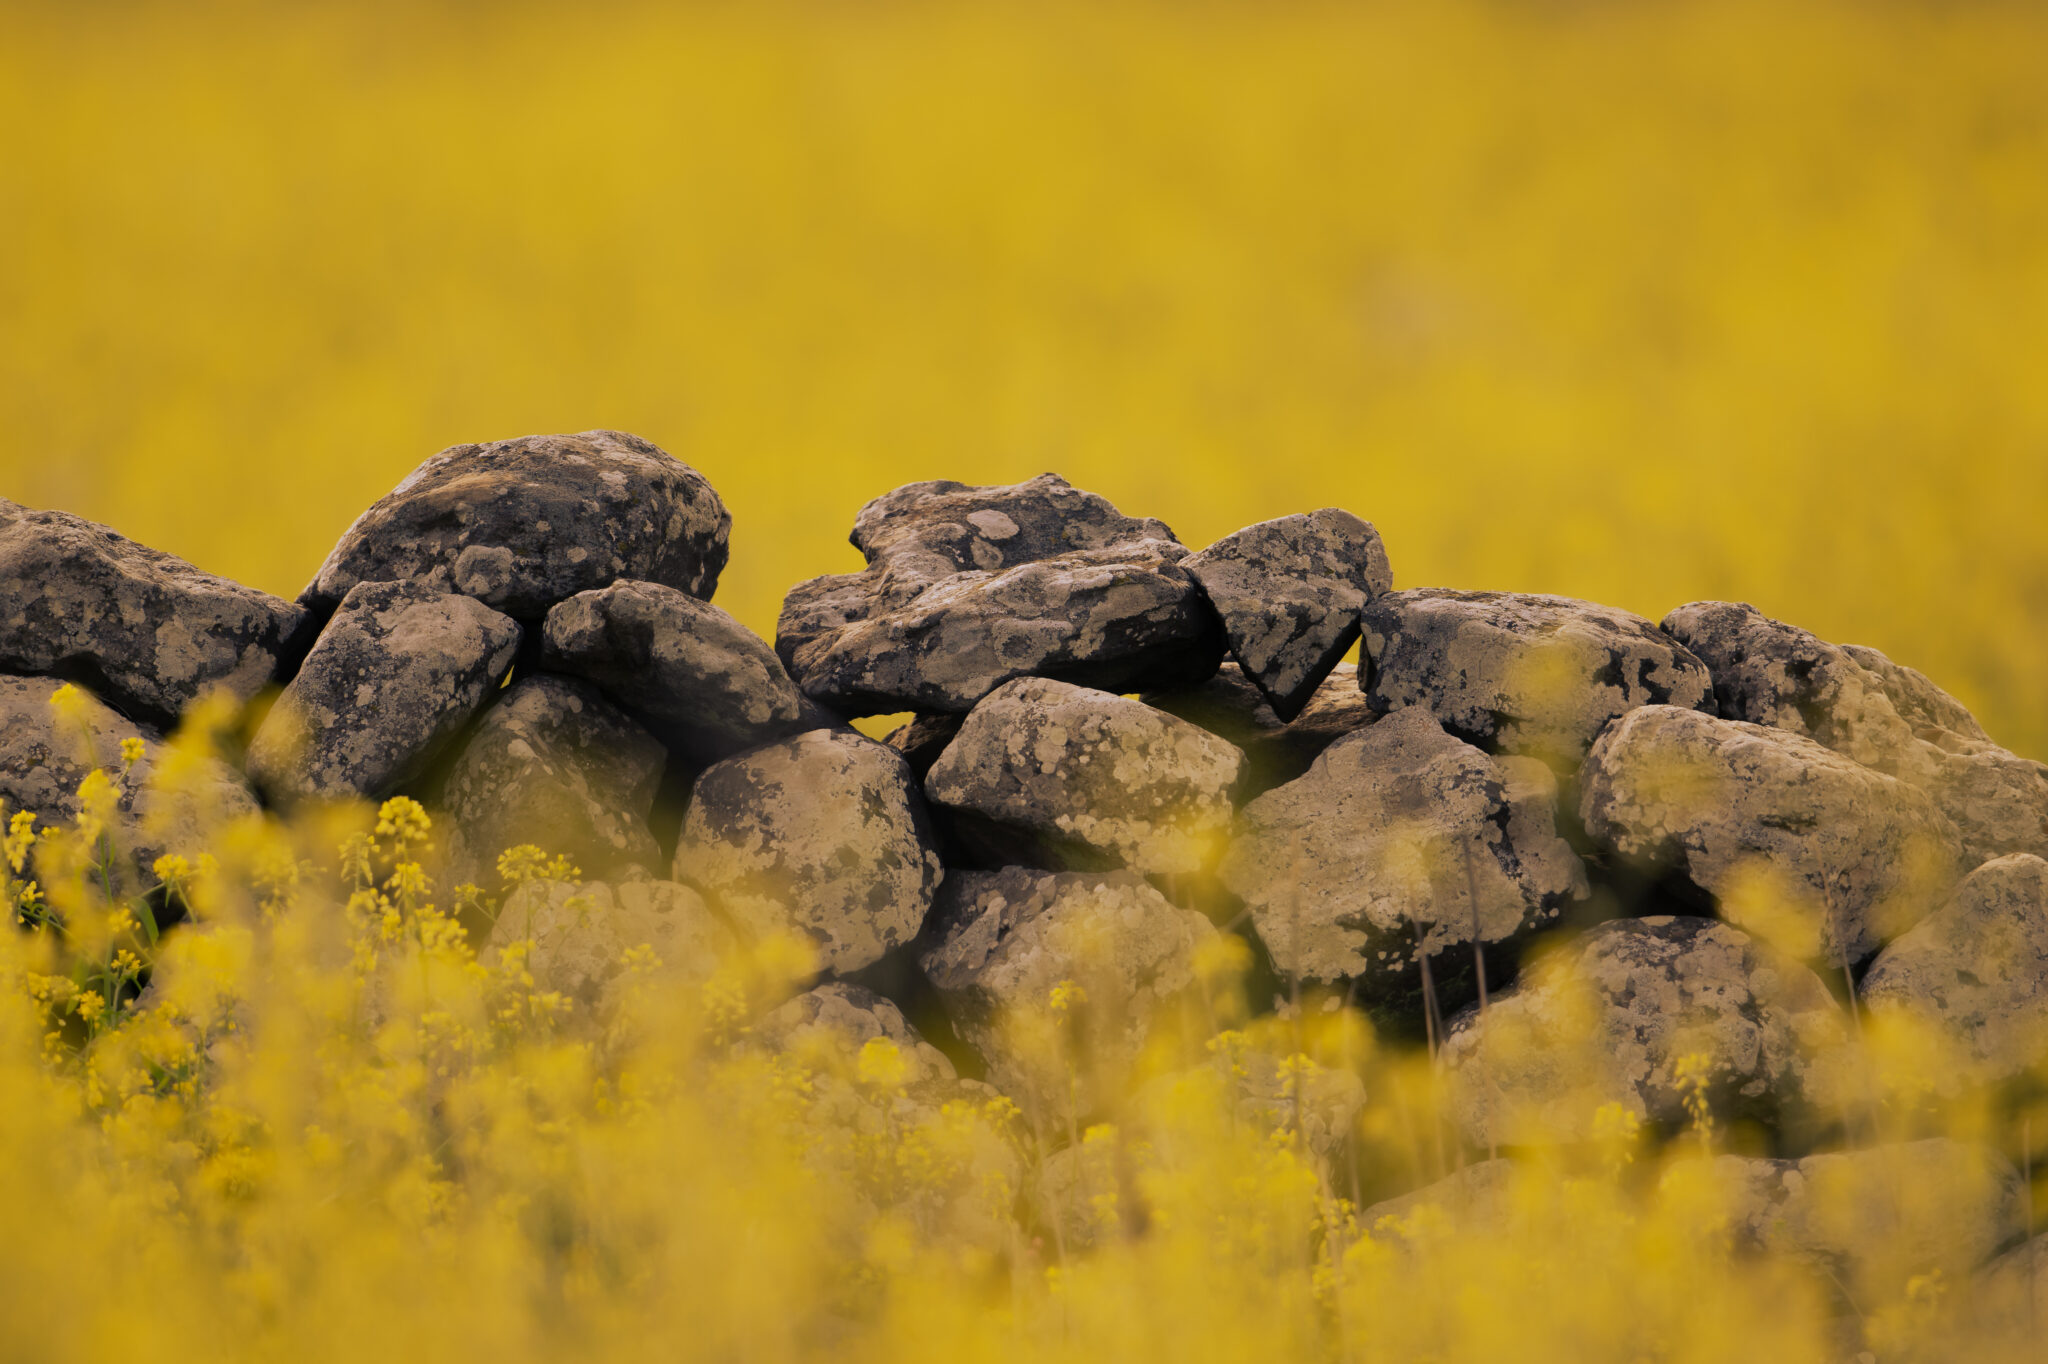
<point x="1606" y="1019"/>
<point x="44" y="757"/>
<point x="397" y="673"/>
<point x="1290" y="592"/>
<point x="579" y="935"/>
<point x="1373" y="858"/>
<point x="823" y="834"/>
<point x="1975" y="972"/>
<point x="1881" y="714"/>
<point x="969" y="587"/>
<point x="705" y="684"/>
<point x="1089" y="780"/>
<point x="522" y="524"/>
<point x="555" y="765"/>
<point x="1277" y="751"/>
<point x="146" y="631"/>
<point x="1522" y="673"/>
<point x="1001" y="943"/>
<point x="1822" y="856"/>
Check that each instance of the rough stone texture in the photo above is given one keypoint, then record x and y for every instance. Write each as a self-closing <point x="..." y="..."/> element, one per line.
<point x="555" y="765"/>
<point x="581" y="934"/>
<point x="923" y="738"/>
<point x="1374" y="855"/>
<point x="43" y="758"/>
<point x="1873" y="1216"/>
<point x="822" y="834"/>
<point x="1515" y="672"/>
<point x="522" y="524"/>
<point x="147" y="632"/>
<point x="1864" y="706"/>
<point x="1606" y="1019"/>
<point x="1476" y="1198"/>
<point x="396" y="674"/>
<point x="1976" y="972"/>
<point x="1289" y="592"/>
<point x="1002" y="941"/>
<point x="1826" y="858"/>
<point x="705" y="684"/>
<point x="1276" y="751"/>
<point x="1093" y="781"/>
<point x="967" y="588"/>
<point x="836" y="1016"/>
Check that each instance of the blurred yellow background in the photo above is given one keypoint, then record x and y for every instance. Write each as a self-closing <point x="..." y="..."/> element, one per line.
<point x="1643" y="302"/>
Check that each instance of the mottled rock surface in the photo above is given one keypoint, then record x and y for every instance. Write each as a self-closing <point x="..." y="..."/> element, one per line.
<point x="1976" y="972"/>
<point x="1375" y="855"/>
<point x="1864" y="706"/>
<point x="398" y="671"/>
<point x="1289" y="592"/>
<point x="147" y="632"/>
<point x="1826" y="858"/>
<point x="581" y="934"/>
<point x="1276" y="751"/>
<point x="1091" y="780"/>
<point x="1607" y="1018"/>
<point x="822" y="834"/>
<point x="705" y="684"/>
<point x="44" y="756"/>
<point x="522" y="524"/>
<point x="967" y="588"/>
<point x="1875" y="1216"/>
<point x="922" y="738"/>
<point x="556" y="765"/>
<point x="835" y="1016"/>
<point x="1003" y="941"/>
<point x="1516" y="672"/>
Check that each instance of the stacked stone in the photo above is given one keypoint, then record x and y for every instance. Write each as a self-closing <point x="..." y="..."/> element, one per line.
<point x="1714" y="828"/>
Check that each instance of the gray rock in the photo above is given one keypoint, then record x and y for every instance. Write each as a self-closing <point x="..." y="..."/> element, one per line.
<point x="822" y="834"/>
<point x="522" y="524"/>
<point x="1091" y="780"/>
<point x="557" y="766"/>
<point x="1607" y="1018"/>
<point x="837" y="1017"/>
<point x="1004" y="941"/>
<point x="1276" y="751"/>
<point x="705" y="684"/>
<point x="1373" y="858"/>
<point x="44" y="758"/>
<point x="1976" y="972"/>
<point x="397" y="673"/>
<point x="1515" y="672"/>
<point x="1823" y="857"/>
<point x="1872" y="1217"/>
<point x="922" y="738"/>
<point x="967" y="588"/>
<point x="147" y="632"/>
<point x="580" y="935"/>
<point x="1289" y="592"/>
<point x="1864" y="706"/>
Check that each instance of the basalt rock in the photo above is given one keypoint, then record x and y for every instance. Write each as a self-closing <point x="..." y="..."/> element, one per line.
<point x="557" y="766"/>
<point x="1864" y="706"/>
<point x="47" y="751"/>
<point x="1516" y="672"/>
<point x="1400" y="841"/>
<point x="147" y="632"/>
<point x="967" y="588"/>
<point x="1090" y="781"/>
<point x="1609" y="1017"/>
<point x="1976" y="972"/>
<point x="705" y="684"/>
<point x="1276" y="751"/>
<point x="395" y="676"/>
<point x="1289" y="592"/>
<point x="1824" y="857"/>
<point x="580" y="935"/>
<point x="822" y="834"/>
<point x="522" y="524"/>
<point x="1022" y="957"/>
